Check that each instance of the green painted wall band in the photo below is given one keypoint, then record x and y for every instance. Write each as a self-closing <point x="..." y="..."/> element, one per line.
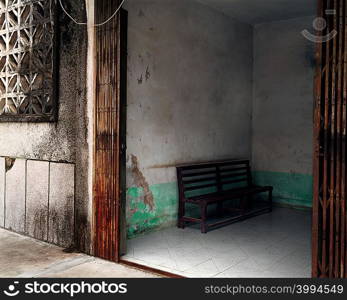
<point x="289" y="188"/>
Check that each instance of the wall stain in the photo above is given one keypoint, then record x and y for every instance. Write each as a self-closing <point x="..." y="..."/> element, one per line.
<point x="9" y="163"/>
<point x="40" y="224"/>
<point x="81" y="237"/>
<point x="61" y="226"/>
<point x="140" y="80"/>
<point x="141" y="13"/>
<point x="148" y="74"/>
<point x="141" y="181"/>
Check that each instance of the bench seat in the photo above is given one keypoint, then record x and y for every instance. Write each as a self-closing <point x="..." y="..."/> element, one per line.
<point x="229" y="195"/>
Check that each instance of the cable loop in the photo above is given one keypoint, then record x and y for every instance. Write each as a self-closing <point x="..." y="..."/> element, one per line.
<point x="94" y="25"/>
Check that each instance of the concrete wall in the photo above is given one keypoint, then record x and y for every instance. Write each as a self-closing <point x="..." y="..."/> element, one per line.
<point x="283" y="109"/>
<point x="189" y="99"/>
<point x="67" y="139"/>
<point x="37" y="199"/>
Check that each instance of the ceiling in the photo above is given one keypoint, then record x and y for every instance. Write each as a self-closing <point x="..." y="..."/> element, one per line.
<point x="262" y="11"/>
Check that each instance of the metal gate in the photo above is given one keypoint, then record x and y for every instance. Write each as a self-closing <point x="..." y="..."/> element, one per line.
<point x="329" y="203"/>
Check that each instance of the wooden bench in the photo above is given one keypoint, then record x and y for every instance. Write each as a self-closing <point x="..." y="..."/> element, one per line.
<point x="215" y="182"/>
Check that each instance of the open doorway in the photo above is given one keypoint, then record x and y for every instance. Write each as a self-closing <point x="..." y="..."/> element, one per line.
<point x="206" y="82"/>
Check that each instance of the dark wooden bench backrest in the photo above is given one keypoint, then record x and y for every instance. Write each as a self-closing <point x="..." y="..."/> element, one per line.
<point x="207" y="178"/>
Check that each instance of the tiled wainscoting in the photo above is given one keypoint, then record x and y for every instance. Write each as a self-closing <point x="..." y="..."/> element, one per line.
<point x="37" y="199"/>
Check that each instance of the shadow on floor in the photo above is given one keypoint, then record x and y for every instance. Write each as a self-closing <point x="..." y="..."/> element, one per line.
<point x="26" y="258"/>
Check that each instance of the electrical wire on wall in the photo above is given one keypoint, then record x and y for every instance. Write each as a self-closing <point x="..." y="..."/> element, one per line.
<point x="94" y="25"/>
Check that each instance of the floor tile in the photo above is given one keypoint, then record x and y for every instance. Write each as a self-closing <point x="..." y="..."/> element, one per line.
<point x="271" y="245"/>
<point x="189" y="259"/>
<point x="204" y="270"/>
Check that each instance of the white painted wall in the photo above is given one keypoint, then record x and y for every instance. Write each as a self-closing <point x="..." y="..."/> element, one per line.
<point x="189" y="86"/>
<point x="284" y="67"/>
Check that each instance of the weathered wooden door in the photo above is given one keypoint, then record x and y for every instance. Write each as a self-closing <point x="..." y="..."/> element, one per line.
<point x="329" y="205"/>
<point x="110" y="94"/>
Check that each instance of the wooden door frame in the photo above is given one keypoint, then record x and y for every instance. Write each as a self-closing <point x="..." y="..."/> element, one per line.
<point x="109" y="106"/>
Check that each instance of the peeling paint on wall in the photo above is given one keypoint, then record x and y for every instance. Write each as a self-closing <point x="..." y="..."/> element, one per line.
<point x="148" y="74"/>
<point x="140" y="80"/>
<point x="141" y="219"/>
<point x="140" y="181"/>
<point x="9" y="163"/>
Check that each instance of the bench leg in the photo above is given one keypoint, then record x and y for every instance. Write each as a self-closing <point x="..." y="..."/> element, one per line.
<point x="270" y="200"/>
<point x="250" y="202"/>
<point x="203" y="208"/>
<point x="220" y="209"/>
<point x="181" y="214"/>
<point x="244" y="204"/>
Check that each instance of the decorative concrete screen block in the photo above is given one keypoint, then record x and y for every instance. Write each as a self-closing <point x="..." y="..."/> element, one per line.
<point x="15" y="194"/>
<point x="37" y="199"/>
<point x="2" y="192"/>
<point x="61" y="204"/>
<point x="27" y="60"/>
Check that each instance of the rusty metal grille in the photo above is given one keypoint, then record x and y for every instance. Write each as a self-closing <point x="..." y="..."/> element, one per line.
<point x="107" y="133"/>
<point x="329" y="204"/>
<point x="27" y="60"/>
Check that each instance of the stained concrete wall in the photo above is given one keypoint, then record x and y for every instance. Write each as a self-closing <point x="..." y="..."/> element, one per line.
<point x="67" y="139"/>
<point x="189" y="100"/>
<point x="38" y="199"/>
<point x="283" y="109"/>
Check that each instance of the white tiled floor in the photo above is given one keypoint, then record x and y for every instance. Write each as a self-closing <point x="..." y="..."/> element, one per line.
<point x="271" y="245"/>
